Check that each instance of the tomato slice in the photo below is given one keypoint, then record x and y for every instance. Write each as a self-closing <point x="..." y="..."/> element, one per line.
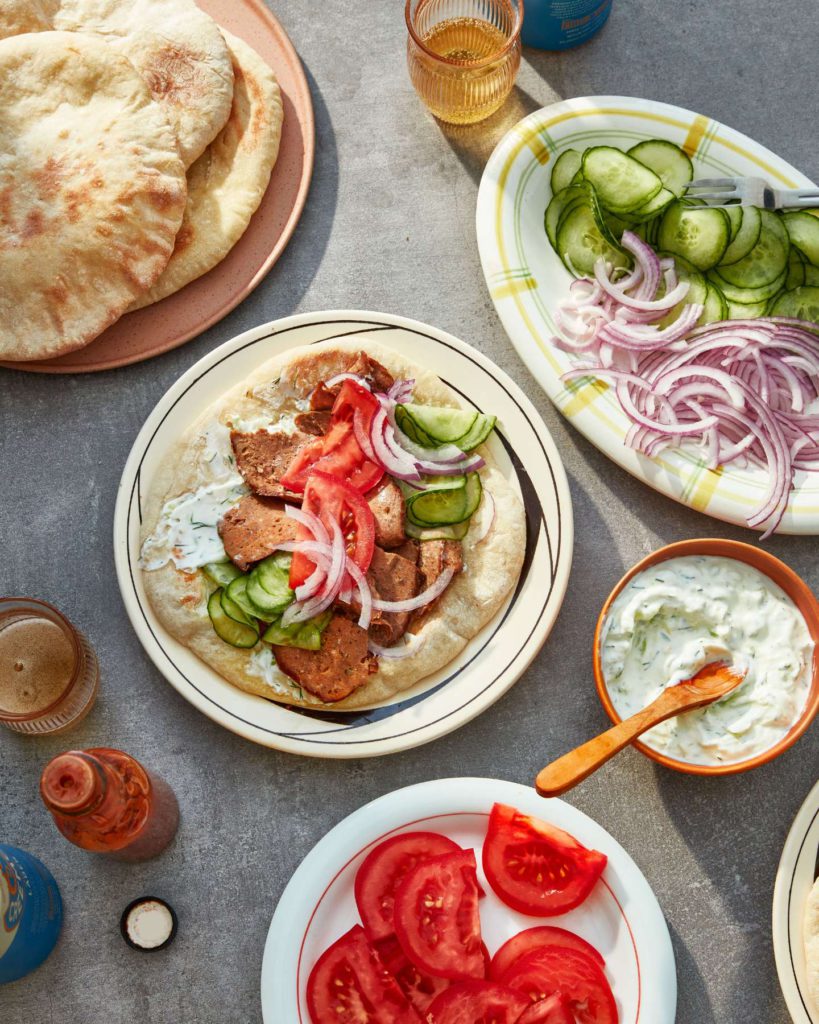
<point x="554" y="1010"/>
<point x="328" y="497"/>
<point x="536" y="868"/>
<point x="350" y="985"/>
<point x="436" y="916"/>
<point x="383" y="870"/>
<point x="420" y="988"/>
<point x="570" y="973"/>
<point x="533" y="938"/>
<point x="338" y="453"/>
<point x="477" y="1002"/>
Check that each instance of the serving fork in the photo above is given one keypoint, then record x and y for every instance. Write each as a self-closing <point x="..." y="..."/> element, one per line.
<point x="750" y="192"/>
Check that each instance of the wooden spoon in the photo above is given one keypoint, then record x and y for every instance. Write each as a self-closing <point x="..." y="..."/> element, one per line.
<point x="709" y="684"/>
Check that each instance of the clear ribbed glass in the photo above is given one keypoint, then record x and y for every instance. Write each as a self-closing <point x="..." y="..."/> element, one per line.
<point x="33" y="700"/>
<point x="463" y="55"/>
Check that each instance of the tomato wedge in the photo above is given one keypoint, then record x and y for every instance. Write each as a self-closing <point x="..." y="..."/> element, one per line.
<point x="331" y="498"/>
<point x="420" y="988"/>
<point x="338" y="453"/>
<point x="536" y="868"/>
<point x="350" y="985"/>
<point x="436" y="916"/>
<point x="534" y="938"/>
<point x="553" y="970"/>
<point x="554" y="1010"/>
<point x="477" y="1002"/>
<point x="383" y="870"/>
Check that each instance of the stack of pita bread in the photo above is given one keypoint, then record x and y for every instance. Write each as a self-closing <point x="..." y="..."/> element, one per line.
<point x="136" y="141"/>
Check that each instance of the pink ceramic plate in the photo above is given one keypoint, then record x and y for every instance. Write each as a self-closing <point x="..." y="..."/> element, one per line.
<point x="182" y="316"/>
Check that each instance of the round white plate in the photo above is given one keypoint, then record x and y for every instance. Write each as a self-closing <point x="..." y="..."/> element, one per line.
<point x="527" y="281"/>
<point x="798" y="868"/>
<point x="489" y="664"/>
<point x="621" y="917"/>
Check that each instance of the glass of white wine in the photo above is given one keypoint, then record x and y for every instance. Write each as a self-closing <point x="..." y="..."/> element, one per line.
<point x="463" y="55"/>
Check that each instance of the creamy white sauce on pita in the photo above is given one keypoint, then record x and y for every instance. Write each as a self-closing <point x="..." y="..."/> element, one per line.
<point x="676" y="617"/>
<point x="284" y="424"/>
<point x="186" y="533"/>
<point x="262" y="663"/>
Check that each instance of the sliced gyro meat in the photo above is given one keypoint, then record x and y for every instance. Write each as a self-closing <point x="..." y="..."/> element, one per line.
<point x="389" y="508"/>
<point x="322" y="398"/>
<point x="392" y="578"/>
<point x="433" y="557"/>
<point x="315" y="422"/>
<point x="263" y="456"/>
<point x="336" y="670"/>
<point x="377" y="376"/>
<point x="251" y="530"/>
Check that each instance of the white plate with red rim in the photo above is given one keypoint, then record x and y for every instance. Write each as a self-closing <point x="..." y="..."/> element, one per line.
<point x="798" y="869"/>
<point x="527" y="282"/>
<point x="489" y="664"/>
<point x="621" y="917"/>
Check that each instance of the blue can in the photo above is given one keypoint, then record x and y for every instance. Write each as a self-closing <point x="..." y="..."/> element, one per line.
<point x="31" y="913"/>
<point x="561" y="24"/>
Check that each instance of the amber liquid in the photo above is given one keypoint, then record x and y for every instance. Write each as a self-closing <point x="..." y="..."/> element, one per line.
<point x="36" y="664"/>
<point x="475" y="86"/>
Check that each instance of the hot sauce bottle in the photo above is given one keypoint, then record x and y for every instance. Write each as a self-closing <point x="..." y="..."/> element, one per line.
<point x="105" y="801"/>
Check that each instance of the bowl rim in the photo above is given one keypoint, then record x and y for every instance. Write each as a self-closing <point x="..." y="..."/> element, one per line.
<point x="784" y="577"/>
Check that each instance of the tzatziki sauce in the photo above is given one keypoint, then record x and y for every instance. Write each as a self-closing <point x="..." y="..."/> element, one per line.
<point x="674" y="618"/>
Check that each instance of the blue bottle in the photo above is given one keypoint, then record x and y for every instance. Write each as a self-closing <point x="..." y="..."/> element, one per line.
<point x="31" y="913"/>
<point x="561" y="24"/>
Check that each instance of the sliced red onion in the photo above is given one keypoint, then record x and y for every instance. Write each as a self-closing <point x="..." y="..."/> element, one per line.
<point x="401" y="390"/>
<point x="362" y="435"/>
<point x="365" y="596"/>
<point x="310" y="521"/>
<point x="412" y="645"/>
<point x="425" y="597"/>
<point x="668" y="301"/>
<point x="401" y="466"/>
<point x="301" y="611"/>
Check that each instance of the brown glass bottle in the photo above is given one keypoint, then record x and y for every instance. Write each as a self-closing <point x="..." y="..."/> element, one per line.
<point x="105" y="801"/>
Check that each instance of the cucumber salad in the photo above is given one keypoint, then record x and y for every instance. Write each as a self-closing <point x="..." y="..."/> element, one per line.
<point x="704" y="320"/>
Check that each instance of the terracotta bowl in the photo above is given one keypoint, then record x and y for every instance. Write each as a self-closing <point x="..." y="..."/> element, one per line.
<point x="796" y="589"/>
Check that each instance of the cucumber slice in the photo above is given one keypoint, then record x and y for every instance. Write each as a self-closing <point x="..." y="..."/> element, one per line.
<point x="413" y="432"/>
<point x="743" y="311"/>
<point x="796" y="270"/>
<point x="671" y="165"/>
<point x="221" y="573"/>
<point x="306" y="635"/>
<point x="565" y="168"/>
<point x="766" y="261"/>
<point x="747" y="296"/>
<point x="234" y="611"/>
<point x="579" y="178"/>
<point x="621" y="183"/>
<point x="801" y="303"/>
<point x="697" y="291"/>
<point x="237" y="592"/>
<point x="580" y="243"/>
<point x="812" y="275"/>
<point x="484" y="425"/>
<point x="716" y="306"/>
<point x="446" y="506"/>
<point x="616" y="225"/>
<point x="269" y="584"/>
<point x="746" y="237"/>
<point x="554" y="211"/>
<point x="237" y="634"/>
<point x="734" y="215"/>
<point x="803" y="231"/>
<point x="699" y="234"/>
<point x="653" y="207"/>
<point x="457" y="531"/>
<point x="443" y="425"/>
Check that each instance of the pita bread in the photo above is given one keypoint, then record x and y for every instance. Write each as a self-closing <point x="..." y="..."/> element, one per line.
<point x="179" y="598"/>
<point x="227" y="182"/>
<point x="175" y="46"/>
<point x="811" y="933"/>
<point x="92" y="191"/>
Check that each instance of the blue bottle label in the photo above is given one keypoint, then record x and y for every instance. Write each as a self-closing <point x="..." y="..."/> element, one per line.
<point x="560" y="24"/>
<point x="31" y="913"/>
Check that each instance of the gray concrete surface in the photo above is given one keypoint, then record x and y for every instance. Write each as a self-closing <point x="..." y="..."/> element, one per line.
<point x="389" y="226"/>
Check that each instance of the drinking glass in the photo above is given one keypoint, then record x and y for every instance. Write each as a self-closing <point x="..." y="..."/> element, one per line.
<point x="49" y="675"/>
<point x="463" y="55"/>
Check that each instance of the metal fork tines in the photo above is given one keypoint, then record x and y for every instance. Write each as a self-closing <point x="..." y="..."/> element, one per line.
<point x="750" y="192"/>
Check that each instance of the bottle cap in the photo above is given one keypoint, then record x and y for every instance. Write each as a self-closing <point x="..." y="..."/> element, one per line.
<point x="148" y="924"/>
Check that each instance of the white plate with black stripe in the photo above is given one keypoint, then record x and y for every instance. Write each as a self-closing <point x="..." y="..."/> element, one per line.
<point x="489" y="664"/>
<point x="798" y="870"/>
